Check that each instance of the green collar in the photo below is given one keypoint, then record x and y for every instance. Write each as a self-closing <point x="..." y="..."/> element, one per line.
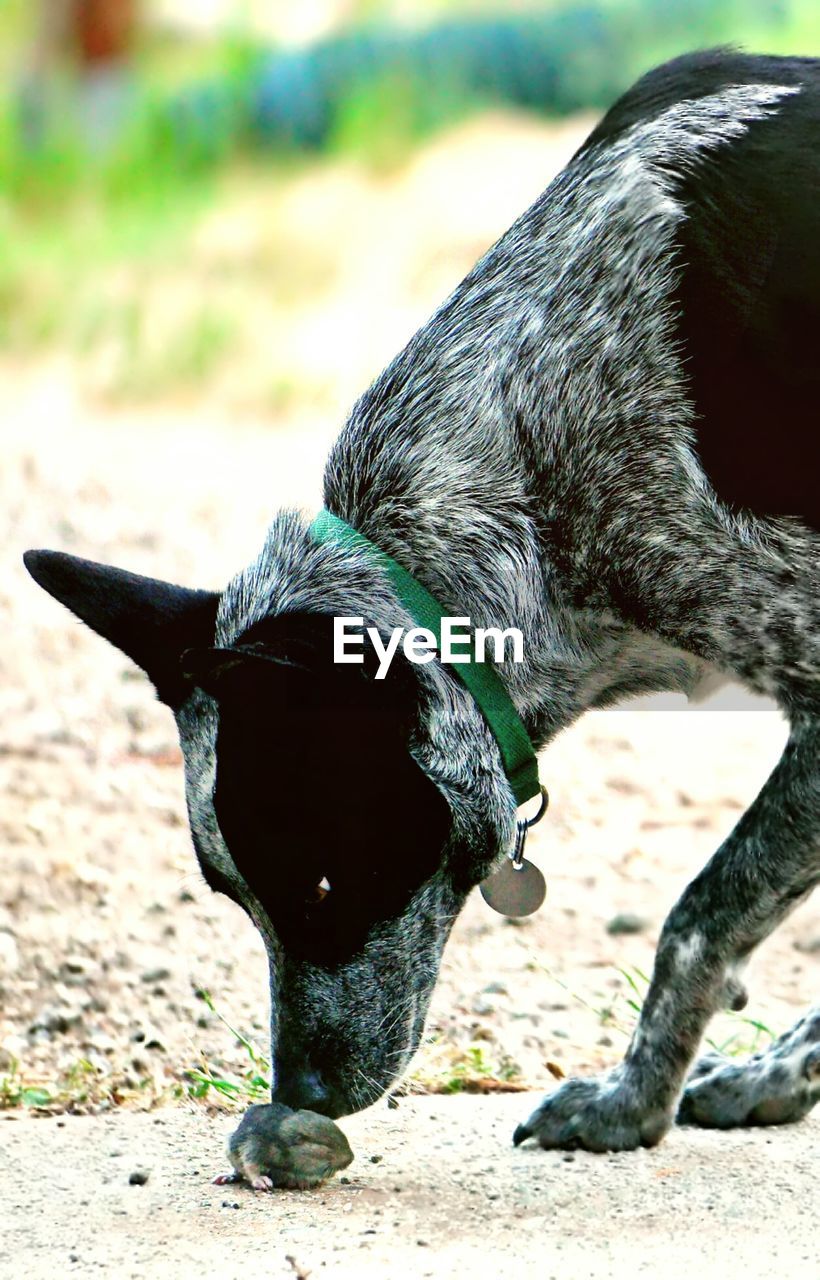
<point x="480" y="678"/>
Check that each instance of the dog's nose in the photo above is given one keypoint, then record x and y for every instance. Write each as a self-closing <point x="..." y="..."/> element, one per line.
<point x="304" y="1089"/>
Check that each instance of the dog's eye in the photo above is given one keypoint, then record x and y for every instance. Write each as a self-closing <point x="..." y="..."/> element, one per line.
<point x="320" y="892"/>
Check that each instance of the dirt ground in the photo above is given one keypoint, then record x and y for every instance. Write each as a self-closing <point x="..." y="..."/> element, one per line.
<point x="436" y="1191"/>
<point x="108" y="934"/>
<point x="109" y="937"/>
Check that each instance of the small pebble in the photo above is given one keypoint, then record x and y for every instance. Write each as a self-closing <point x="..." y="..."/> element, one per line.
<point x="376" y="1159"/>
<point x="138" y="1177"/>
<point x="156" y="975"/>
<point x="54" y="1020"/>
<point x="626" y="922"/>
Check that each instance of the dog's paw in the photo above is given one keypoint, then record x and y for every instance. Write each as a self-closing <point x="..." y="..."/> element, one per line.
<point x="599" y="1115"/>
<point x="778" y="1086"/>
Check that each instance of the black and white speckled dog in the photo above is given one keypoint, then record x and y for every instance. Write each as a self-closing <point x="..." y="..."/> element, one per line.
<point x="608" y="438"/>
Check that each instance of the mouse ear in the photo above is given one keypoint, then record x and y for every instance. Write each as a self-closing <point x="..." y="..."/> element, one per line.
<point x="149" y="620"/>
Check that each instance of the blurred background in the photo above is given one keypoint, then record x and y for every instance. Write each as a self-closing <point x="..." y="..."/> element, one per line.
<point x="254" y="202"/>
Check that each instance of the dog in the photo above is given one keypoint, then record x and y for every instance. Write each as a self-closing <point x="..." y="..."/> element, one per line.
<point x="606" y="437"/>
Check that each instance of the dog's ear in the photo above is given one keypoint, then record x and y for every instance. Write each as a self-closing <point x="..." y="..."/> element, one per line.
<point x="149" y="620"/>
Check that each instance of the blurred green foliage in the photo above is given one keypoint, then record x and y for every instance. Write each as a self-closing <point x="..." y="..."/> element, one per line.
<point x="197" y="104"/>
<point x="200" y="109"/>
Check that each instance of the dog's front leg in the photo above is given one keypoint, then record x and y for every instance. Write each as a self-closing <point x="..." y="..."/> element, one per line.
<point x="765" y="867"/>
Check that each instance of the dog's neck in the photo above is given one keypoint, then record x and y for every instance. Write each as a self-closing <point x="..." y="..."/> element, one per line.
<point x="457" y="459"/>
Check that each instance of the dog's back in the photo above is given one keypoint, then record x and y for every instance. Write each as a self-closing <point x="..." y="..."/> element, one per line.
<point x="749" y="290"/>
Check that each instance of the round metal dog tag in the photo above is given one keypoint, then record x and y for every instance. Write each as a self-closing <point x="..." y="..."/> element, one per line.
<point x="517" y="889"/>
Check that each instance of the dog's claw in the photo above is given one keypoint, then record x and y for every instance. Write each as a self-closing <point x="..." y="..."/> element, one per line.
<point x="811" y="1066"/>
<point x="521" y="1134"/>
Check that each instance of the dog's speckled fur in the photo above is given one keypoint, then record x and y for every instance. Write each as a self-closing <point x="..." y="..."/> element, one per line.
<point x="534" y="456"/>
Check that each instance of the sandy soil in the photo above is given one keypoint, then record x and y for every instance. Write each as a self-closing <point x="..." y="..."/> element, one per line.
<point x="436" y="1191"/>
<point x="108" y="933"/>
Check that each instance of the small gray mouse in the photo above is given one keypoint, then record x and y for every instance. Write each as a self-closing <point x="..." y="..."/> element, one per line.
<point x="277" y="1147"/>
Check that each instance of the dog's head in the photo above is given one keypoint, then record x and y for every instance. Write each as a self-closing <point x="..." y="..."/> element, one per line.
<point x="348" y="816"/>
